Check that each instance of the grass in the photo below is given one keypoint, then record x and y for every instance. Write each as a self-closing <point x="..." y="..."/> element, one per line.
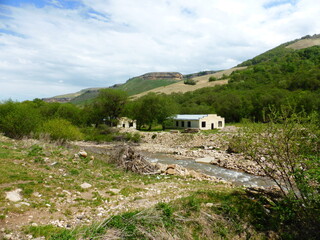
<point x="49" y="175"/>
<point x="212" y="214"/>
<point x="139" y="85"/>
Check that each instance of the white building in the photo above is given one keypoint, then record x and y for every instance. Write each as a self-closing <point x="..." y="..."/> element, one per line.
<point x="127" y="123"/>
<point x="200" y="121"/>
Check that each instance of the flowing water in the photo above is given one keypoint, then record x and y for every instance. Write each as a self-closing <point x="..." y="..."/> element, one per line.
<point x="236" y="177"/>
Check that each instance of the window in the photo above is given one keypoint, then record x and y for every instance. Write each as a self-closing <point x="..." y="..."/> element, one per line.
<point x="182" y="124"/>
<point x="177" y="123"/>
<point x="130" y="124"/>
<point x="203" y="124"/>
<point x="124" y="125"/>
<point x="189" y="124"/>
<point x="220" y="124"/>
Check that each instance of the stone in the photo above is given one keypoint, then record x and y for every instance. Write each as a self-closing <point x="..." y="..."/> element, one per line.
<point x="171" y="171"/>
<point x="209" y="204"/>
<point x="85" y="185"/>
<point x="83" y="154"/>
<point x="205" y="160"/>
<point x="161" y="167"/>
<point x="14" y="195"/>
<point x="114" y="190"/>
<point x="172" y="166"/>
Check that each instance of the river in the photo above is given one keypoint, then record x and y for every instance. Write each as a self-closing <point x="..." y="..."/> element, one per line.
<point x="236" y="177"/>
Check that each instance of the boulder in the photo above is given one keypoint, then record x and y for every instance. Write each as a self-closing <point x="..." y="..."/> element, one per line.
<point x="205" y="160"/>
<point x="171" y="171"/>
<point x="14" y="195"/>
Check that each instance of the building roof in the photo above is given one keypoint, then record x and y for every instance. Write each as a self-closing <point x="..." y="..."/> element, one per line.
<point x="189" y="116"/>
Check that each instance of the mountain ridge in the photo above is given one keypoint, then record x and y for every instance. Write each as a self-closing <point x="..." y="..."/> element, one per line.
<point x="169" y="82"/>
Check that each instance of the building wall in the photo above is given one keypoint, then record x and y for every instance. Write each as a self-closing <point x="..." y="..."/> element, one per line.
<point x="184" y="124"/>
<point x="126" y="123"/>
<point x="217" y="121"/>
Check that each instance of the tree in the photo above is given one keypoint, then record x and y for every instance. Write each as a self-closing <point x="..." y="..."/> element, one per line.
<point x="109" y="106"/>
<point x="151" y="109"/>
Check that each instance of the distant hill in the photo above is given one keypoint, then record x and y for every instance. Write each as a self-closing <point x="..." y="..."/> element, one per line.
<point x="170" y="82"/>
<point x="150" y="81"/>
<point x="283" y="49"/>
<point x="134" y="85"/>
<point x="70" y="96"/>
<point x="202" y="81"/>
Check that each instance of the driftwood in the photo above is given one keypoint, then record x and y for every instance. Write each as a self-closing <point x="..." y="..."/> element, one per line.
<point x="129" y="160"/>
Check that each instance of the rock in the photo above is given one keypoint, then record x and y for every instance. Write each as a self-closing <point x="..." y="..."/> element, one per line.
<point x="172" y="166"/>
<point x="83" y="154"/>
<point x="14" y="195"/>
<point x="161" y="167"/>
<point x="85" y="185"/>
<point x="205" y="160"/>
<point x="162" y="75"/>
<point x="171" y="171"/>
<point x="114" y="190"/>
<point x="209" y="204"/>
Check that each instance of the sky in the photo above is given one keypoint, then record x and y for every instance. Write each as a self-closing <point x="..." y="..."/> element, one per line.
<point x="53" y="47"/>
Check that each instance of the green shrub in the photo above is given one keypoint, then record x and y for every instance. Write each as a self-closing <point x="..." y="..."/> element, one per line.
<point x="190" y="82"/>
<point x="102" y="133"/>
<point x="18" y="119"/>
<point x="212" y="79"/>
<point x="61" y="129"/>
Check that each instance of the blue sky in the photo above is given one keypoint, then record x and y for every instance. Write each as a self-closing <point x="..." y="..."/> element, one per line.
<point x="53" y="47"/>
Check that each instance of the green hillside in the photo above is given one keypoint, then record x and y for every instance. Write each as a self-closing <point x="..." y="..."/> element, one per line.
<point x="138" y="85"/>
<point x="132" y="86"/>
<point x="290" y="79"/>
<point x="85" y="97"/>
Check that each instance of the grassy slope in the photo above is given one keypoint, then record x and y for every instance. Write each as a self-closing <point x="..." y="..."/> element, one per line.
<point x="202" y="82"/>
<point x="84" y="98"/>
<point x="282" y="50"/>
<point x="138" y="85"/>
<point x="132" y="86"/>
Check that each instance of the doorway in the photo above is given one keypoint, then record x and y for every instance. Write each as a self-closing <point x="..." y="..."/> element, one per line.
<point x="212" y="125"/>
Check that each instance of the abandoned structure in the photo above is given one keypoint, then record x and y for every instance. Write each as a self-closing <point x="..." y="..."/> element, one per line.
<point x="199" y="121"/>
<point x="127" y="123"/>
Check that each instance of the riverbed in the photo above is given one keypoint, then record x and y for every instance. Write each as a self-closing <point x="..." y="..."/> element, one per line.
<point x="237" y="178"/>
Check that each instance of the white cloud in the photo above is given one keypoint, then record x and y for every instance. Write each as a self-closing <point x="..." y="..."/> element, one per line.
<point x="53" y="50"/>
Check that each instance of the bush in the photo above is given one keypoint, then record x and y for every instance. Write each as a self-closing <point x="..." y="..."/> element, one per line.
<point x="190" y="82"/>
<point x="212" y="79"/>
<point x="18" y="119"/>
<point x="60" y="129"/>
<point x="287" y="149"/>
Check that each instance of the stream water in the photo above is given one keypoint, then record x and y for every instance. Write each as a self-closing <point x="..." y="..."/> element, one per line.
<point x="236" y="177"/>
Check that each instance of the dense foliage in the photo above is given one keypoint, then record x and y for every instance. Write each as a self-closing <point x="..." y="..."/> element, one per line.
<point x="152" y="109"/>
<point x="289" y="79"/>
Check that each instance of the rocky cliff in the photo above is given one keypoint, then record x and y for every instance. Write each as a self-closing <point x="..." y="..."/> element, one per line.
<point x="162" y="75"/>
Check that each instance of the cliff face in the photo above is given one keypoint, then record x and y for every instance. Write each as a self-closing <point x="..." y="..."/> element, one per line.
<point x="59" y="100"/>
<point x="162" y="75"/>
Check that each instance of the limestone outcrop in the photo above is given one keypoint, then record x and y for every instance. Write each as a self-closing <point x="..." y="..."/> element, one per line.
<point x="162" y="75"/>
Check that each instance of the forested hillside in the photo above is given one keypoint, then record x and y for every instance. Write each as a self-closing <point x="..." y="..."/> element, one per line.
<point x="290" y="78"/>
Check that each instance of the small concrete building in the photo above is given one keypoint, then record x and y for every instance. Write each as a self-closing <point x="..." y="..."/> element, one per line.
<point x="127" y="123"/>
<point x="199" y="121"/>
